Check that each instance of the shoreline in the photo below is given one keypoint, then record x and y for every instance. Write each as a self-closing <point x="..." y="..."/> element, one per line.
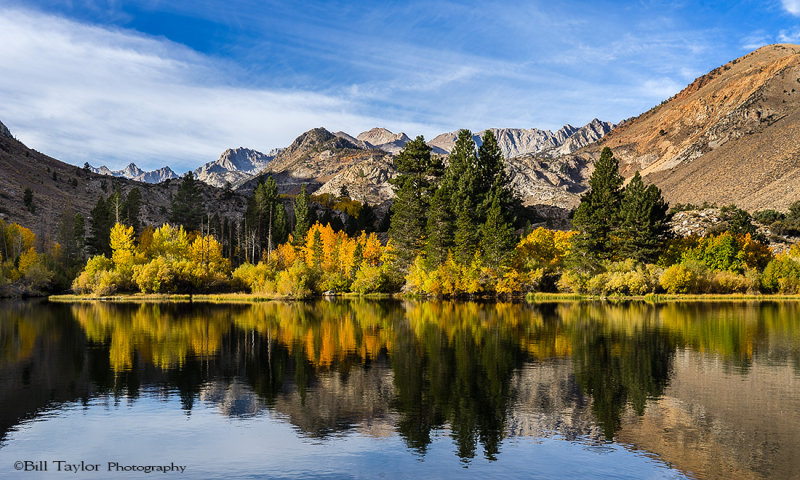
<point x="206" y="298"/>
<point x="529" y="298"/>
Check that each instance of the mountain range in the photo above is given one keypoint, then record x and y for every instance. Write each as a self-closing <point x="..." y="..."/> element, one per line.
<point x="730" y="136"/>
<point x="132" y="172"/>
<point x="234" y="166"/>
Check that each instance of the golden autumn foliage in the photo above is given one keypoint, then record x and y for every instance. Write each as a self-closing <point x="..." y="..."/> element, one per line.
<point x="165" y="262"/>
<point x="22" y="267"/>
<point x="326" y="260"/>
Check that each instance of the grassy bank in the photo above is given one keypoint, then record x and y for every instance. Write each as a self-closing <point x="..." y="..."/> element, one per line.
<point x="204" y="298"/>
<point x="658" y="297"/>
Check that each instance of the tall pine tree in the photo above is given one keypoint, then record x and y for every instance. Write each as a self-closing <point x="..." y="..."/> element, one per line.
<point x="187" y="206"/>
<point x="497" y="233"/>
<point x="597" y="216"/>
<point x="132" y="206"/>
<point x="302" y="216"/>
<point x="100" y="222"/>
<point x="467" y="197"/>
<point x="267" y="216"/>
<point x="413" y="189"/>
<point x="642" y="221"/>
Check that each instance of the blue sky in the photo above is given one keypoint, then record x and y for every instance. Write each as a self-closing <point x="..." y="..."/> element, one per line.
<point x="173" y="82"/>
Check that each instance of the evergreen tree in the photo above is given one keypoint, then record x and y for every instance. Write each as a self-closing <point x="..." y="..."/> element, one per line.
<point x="491" y="167"/>
<point x="100" y="223"/>
<point x="267" y="216"/>
<point x="302" y="216"/>
<point x="643" y="224"/>
<point x="413" y="188"/>
<point x="597" y="216"/>
<point x="187" y="206"/>
<point x="496" y="210"/>
<point x="454" y="223"/>
<point x="497" y="233"/>
<point x="131" y="208"/>
<point x="441" y="224"/>
<point x="367" y="218"/>
<point x="27" y="199"/>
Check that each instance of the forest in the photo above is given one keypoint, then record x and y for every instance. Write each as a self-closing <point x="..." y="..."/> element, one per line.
<point x="455" y="229"/>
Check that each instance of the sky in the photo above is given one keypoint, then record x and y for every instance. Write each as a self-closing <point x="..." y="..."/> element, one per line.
<point x="177" y="82"/>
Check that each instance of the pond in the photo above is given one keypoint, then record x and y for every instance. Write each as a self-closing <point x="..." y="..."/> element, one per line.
<point x="399" y="389"/>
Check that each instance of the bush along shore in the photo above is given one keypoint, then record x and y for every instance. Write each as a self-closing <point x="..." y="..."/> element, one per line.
<point x="454" y="230"/>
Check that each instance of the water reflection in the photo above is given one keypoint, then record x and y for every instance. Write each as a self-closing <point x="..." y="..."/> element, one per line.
<point x="659" y="377"/>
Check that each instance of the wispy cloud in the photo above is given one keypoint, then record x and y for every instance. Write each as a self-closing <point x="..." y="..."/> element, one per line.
<point x="84" y="93"/>
<point x="791" y="6"/>
<point x="109" y="94"/>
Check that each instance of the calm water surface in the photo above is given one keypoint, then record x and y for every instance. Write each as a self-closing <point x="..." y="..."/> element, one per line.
<point x="365" y="389"/>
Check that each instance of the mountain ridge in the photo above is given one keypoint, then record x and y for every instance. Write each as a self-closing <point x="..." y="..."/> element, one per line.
<point x="730" y="136"/>
<point x="132" y="172"/>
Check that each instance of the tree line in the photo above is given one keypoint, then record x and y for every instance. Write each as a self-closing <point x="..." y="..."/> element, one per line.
<point x="455" y="228"/>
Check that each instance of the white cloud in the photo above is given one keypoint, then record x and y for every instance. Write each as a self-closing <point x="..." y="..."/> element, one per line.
<point x="791" y="6"/>
<point x="789" y="36"/>
<point x="84" y="93"/>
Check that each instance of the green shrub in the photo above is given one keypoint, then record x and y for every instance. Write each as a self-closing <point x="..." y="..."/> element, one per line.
<point x="297" y="281"/>
<point x="259" y="279"/>
<point x="573" y="282"/>
<point x="678" y="279"/>
<point x="782" y="275"/>
<point x="369" y="279"/>
<point x="156" y="276"/>
<point x="730" y="282"/>
<point x="89" y="278"/>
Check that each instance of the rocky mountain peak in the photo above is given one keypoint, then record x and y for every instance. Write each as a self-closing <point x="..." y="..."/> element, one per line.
<point x="234" y="165"/>
<point x="380" y="136"/>
<point x="311" y="138"/>
<point x="131" y="171"/>
<point x="4" y="132"/>
<point x="516" y="142"/>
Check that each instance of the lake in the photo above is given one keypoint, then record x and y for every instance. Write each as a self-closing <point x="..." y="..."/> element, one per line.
<point x="399" y="389"/>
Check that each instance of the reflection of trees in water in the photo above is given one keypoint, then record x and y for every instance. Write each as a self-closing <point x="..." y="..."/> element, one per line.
<point x="328" y="366"/>
<point x="457" y="370"/>
<point x="619" y="370"/>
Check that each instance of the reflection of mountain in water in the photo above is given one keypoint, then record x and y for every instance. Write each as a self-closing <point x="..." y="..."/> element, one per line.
<point x="583" y="372"/>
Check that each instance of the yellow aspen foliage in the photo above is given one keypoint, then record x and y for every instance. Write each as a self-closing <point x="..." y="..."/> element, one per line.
<point x="756" y="254"/>
<point x="543" y="248"/>
<point x="18" y="239"/>
<point x="28" y="259"/>
<point x="286" y="253"/>
<point x="146" y="241"/>
<point x="417" y="276"/>
<point x="206" y="253"/>
<point x="170" y="241"/>
<point x="372" y="250"/>
<point x="473" y="278"/>
<point x="509" y="282"/>
<point x="449" y="277"/>
<point x="123" y="250"/>
<point x="347" y="254"/>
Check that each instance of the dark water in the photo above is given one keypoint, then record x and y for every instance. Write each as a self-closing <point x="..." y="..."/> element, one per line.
<point x="364" y="389"/>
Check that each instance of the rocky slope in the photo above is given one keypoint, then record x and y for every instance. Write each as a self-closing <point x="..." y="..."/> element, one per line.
<point x="132" y="172"/>
<point x="385" y="140"/>
<point x="233" y="166"/>
<point x="731" y="136"/>
<point x="4" y="132"/>
<point x="315" y="158"/>
<point x="518" y="141"/>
